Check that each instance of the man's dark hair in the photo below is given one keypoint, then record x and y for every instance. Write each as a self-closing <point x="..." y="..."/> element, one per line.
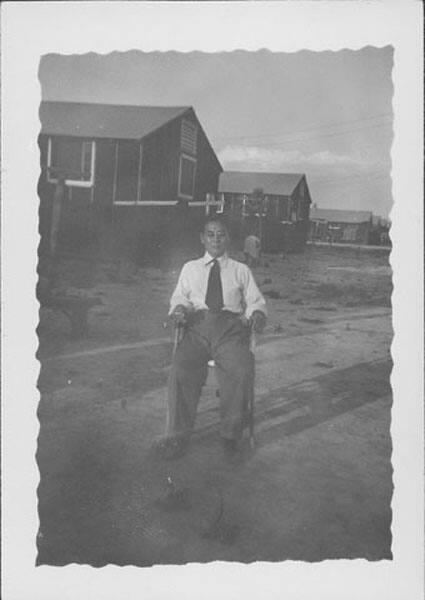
<point x="215" y="218"/>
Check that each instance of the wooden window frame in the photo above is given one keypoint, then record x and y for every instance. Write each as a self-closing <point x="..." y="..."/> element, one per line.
<point x="194" y="160"/>
<point x="73" y="182"/>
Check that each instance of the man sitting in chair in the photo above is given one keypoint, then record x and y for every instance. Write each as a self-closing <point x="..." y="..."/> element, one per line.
<point x="217" y="302"/>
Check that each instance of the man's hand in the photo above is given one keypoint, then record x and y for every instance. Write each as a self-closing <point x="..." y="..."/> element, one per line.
<point x="258" y="321"/>
<point x="179" y="315"/>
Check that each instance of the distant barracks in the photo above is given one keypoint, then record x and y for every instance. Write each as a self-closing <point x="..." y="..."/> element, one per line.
<point x="125" y="168"/>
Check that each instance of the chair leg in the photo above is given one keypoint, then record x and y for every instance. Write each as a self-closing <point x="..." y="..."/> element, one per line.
<point x="251" y="422"/>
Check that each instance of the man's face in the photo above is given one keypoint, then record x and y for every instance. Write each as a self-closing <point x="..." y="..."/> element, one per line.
<point x="215" y="239"/>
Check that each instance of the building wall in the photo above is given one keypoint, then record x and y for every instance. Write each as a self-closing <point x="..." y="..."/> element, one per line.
<point x="104" y="176"/>
<point x="207" y="170"/>
<point x="276" y="236"/>
<point x="297" y="235"/>
<point x="82" y="209"/>
<point x="338" y="232"/>
<point x="303" y="199"/>
<point x="160" y="163"/>
<point x="92" y="224"/>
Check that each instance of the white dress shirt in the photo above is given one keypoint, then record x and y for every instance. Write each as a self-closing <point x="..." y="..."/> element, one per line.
<point x="240" y="292"/>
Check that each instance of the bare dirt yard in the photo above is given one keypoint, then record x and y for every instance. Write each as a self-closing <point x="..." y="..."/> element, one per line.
<point x="318" y="484"/>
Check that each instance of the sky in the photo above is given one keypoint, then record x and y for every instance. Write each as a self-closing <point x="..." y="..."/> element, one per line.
<point x="325" y="114"/>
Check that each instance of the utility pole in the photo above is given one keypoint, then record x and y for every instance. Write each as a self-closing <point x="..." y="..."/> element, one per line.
<point x="258" y="202"/>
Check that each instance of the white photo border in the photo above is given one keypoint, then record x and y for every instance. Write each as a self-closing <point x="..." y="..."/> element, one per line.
<point x="30" y="30"/>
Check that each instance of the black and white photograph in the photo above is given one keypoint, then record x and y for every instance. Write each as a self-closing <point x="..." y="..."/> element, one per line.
<point x="215" y="283"/>
<point x="275" y="168"/>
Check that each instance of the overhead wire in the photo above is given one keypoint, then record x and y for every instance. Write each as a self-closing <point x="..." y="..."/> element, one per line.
<point x="359" y="180"/>
<point x="360" y="177"/>
<point x="324" y="135"/>
<point x="290" y="134"/>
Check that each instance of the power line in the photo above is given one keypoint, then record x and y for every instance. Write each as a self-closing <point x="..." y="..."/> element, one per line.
<point x="353" y="182"/>
<point x="300" y="131"/>
<point x="323" y="135"/>
<point x="330" y="125"/>
<point x="358" y="190"/>
<point x="358" y="177"/>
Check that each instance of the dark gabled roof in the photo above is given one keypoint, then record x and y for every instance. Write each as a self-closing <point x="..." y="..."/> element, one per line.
<point x="339" y="215"/>
<point x="241" y="182"/>
<point x="105" y="120"/>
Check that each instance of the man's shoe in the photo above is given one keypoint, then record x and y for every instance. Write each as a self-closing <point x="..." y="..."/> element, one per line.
<point x="173" y="448"/>
<point x="230" y="446"/>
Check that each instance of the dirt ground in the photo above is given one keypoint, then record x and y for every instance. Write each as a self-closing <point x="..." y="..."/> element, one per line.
<point x="318" y="484"/>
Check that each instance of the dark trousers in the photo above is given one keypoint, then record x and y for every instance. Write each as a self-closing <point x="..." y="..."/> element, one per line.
<point x="224" y="338"/>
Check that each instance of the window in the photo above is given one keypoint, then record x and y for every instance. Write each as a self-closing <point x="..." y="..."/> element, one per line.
<point x="73" y="158"/>
<point x="128" y="157"/>
<point x="189" y="131"/>
<point x="187" y="176"/>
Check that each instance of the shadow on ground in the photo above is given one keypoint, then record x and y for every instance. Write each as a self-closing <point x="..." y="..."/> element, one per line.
<point x="308" y="492"/>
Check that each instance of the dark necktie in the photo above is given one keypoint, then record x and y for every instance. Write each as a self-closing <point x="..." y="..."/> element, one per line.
<point x="214" y="295"/>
